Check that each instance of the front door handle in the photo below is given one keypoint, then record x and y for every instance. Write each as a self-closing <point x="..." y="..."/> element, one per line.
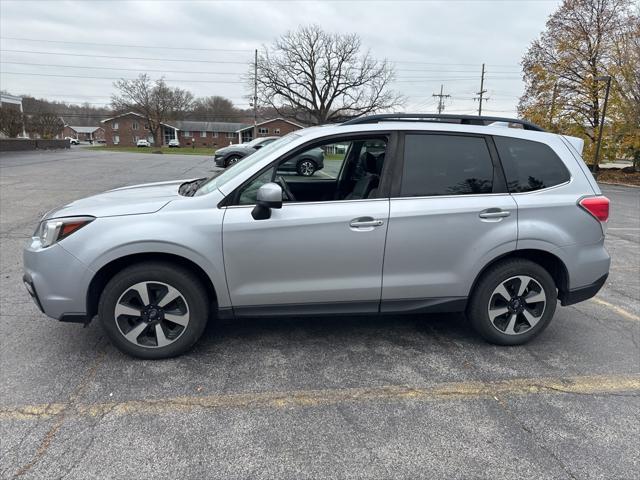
<point x="364" y="222"/>
<point x="494" y="213"/>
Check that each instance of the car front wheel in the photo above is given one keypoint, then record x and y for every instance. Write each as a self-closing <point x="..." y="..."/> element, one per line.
<point x="306" y="168"/>
<point x="154" y="310"/>
<point x="513" y="302"/>
<point x="232" y="160"/>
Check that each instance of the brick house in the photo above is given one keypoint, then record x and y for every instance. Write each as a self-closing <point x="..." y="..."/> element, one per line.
<point x="276" y="127"/>
<point x="207" y="134"/>
<point x="88" y="134"/>
<point x="128" y="128"/>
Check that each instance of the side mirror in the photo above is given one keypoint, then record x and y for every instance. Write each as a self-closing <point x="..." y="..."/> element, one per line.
<point x="269" y="196"/>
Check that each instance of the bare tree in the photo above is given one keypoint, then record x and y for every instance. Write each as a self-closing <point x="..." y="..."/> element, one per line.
<point x="323" y="77"/>
<point x="154" y="100"/>
<point x="215" y="109"/>
<point x="44" y="123"/>
<point x="11" y="121"/>
<point x="561" y="68"/>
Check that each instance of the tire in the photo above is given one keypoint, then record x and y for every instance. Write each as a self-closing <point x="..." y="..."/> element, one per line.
<point x="532" y="312"/>
<point x="306" y="167"/>
<point x="189" y="309"/>
<point x="232" y="160"/>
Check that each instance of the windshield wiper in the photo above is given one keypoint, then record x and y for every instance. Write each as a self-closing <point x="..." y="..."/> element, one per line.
<point x="188" y="189"/>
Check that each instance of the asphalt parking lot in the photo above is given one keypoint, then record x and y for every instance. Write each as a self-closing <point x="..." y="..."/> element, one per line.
<point x="387" y="397"/>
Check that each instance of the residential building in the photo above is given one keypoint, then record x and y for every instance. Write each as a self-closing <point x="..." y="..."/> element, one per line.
<point x="11" y="101"/>
<point x="207" y="134"/>
<point x="126" y="129"/>
<point x="275" y="127"/>
<point x="87" y="134"/>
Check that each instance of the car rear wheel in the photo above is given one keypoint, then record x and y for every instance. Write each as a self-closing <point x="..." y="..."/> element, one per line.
<point x="306" y="168"/>
<point x="232" y="160"/>
<point x="513" y="302"/>
<point x="154" y="310"/>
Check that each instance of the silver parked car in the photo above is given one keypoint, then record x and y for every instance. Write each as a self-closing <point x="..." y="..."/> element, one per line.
<point x="412" y="213"/>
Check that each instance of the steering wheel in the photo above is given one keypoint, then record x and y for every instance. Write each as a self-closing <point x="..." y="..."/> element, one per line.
<point x="285" y="187"/>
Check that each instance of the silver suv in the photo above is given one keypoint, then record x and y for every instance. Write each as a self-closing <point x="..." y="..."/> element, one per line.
<point x="411" y="214"/>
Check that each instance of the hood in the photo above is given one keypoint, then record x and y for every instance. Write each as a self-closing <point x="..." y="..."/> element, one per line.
<point x="137" y="199"/>
<point x="236" y="148"/>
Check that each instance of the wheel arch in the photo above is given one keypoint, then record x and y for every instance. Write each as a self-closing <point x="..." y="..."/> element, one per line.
<point x="107" y="272"/>
<point x="550" y="262"/>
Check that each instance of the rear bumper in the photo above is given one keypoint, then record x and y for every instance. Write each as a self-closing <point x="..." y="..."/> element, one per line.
<point x="583" y="293"/>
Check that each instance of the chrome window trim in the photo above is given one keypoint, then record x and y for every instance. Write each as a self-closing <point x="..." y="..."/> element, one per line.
<point x="546" y="188"/>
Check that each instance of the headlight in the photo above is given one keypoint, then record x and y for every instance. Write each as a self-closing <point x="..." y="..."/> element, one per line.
<point x="55" y="229"/>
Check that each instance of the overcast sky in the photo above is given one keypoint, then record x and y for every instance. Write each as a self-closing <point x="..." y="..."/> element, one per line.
<point x="430" y="43"/>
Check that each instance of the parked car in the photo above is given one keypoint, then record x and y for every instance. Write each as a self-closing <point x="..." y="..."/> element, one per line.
<point x="227" y="156"/>
<point x="497" y="222"/>
<point x="143" y="142"/>
<point x="72" y="141"/>
<point x="174" y="143"/>
<point x="304" y="165"/>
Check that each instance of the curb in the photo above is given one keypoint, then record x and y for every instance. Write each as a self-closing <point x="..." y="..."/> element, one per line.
<point x="619" y="184"/>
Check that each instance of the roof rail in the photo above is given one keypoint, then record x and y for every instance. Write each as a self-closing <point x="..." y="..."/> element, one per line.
<point x="445" y="118"/>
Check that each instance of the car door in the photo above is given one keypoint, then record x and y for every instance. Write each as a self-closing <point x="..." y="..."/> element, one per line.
<point x="450" y="214"/>
<point x="308" y="257"/>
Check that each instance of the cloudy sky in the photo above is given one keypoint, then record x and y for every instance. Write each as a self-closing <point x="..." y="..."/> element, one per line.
<point x="74" y="50"/>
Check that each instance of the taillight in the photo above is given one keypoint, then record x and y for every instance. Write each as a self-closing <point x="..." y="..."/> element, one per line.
<point x="596" y="206"/>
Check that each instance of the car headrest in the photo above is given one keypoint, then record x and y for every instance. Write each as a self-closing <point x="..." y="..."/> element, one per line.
<point x="369" y="162"/>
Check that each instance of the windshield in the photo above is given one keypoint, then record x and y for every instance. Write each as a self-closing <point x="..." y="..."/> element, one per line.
<point x="246" y="163"/>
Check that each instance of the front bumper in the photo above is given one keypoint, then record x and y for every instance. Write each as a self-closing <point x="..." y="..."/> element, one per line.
<point x="219" y="161"/>
<point x="57" y="281"/>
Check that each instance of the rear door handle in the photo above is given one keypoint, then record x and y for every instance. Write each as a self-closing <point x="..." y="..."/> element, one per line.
<point x="494" y="213"/>
<point x="364" y="222"/>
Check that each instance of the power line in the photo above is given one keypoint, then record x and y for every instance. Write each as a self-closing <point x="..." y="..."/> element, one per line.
<point x="114" y="78"/>
<point x="116" y="68"/>
<point x="129" y="46"/>
<point x="123" y="58"/>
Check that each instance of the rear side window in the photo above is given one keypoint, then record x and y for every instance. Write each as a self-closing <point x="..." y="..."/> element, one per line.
<point x="529" y="165"/>
<point x="445" y="165"/>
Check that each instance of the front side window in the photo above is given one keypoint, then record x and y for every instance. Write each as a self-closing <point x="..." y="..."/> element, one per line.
<point x="436" y="164"/>
<point x="230" y="173"/>
<point x="347" y="169"/>
<point x="529" y="165"/>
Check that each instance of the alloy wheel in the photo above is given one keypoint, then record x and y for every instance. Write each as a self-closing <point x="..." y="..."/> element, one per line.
<point x="306" y="168"/>
<point x="517" y="305"/>
<point x="232" y="161"/>
<point x="152" y="314"/>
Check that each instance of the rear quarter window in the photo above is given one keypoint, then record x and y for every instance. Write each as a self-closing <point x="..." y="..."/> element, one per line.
<point x="529" y="165"/>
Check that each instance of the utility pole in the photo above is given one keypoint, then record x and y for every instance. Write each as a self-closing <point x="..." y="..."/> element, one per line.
<point x="441" y="98"/>
<point x="255" y="95"/>
<point x="481" y="93"/>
